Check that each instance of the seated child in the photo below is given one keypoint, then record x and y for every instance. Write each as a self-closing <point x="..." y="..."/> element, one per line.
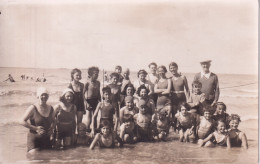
<point x="221" y="114"/>
<point x="185" y="123"/>
<point x="143" y="122"/>
<point x="205" y="125"/>
<point x="218" y="138"/>
<point x="197" y="98"/>
<point x="162" y="125"/>
<point x="106" y="138"/>
<point x="127" y="129"/>
<point x="237" y="138"/>
<point x="82" y="138"/>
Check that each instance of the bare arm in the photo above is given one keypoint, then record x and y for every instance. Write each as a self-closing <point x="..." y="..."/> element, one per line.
<point x="94" y="117"/>
<point x="186" y="86"/>
<point x="206" y="139"/>
<point x="118" y="139"/>
<point x="228" y="142"/>
<point x="244" y="140"/>
<point x="121" y="115"/>
<point x="168" y="90"/>
<point x="93" y="143"/>
<point x="28" y="114"/>
<point x="216" y="92"/>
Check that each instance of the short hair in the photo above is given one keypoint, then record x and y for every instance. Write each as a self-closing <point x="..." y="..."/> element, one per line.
<point x="173" y="64"/>
<point x="163" y="67"/>
<point x="220" y="120"/>
<point x="207" y="109"/>
<point x="153" y="63"/>
<point x="128" y="118"/>
<point x="196" y="82"/>
<point x="127" y="86"/>
<point x="224" y="105"/>
<point x="235" y="117"/>
<point x="118" y="67"/>
<point x="114" y="74"/>
<point x="91" y="70"/>
<point x="106" y="89"/>
<point x="105" y="123"/>
<point x="75" y="70"/>
<point x="140" y="88"/>
<point x="141" y="71"/>
<point x="184" y="104"/>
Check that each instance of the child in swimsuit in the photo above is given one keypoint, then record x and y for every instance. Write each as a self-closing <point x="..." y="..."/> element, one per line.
<point x="142" y="92"/>
<point x="221" y="114"/>
<point x="77" y="87"/>
<point x="185" y="123"/>
<point x="91" y="93"/>
<point x="65" y="113"/>
<point x="237" y="138"/>
<point x="125" y="115"/>
<point x="82" y="138"/>
<point x="128" y="90"/>
<point x="197" y="98"/>
<point x="218" y="138"/>
<point x="104" y="111"/>
<point x="162" y="124"/>
<point x="107" y="137"/>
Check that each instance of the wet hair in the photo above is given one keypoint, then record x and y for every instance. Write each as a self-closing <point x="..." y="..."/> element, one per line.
<point x="62" y="98"/>
<point x="91" y="70"/>
<point x="163" y="67"/>
<point x="184" y="104"/>
<point x="105" y="123"/>
<point x="118" y="67"/>
<point x="153" y="63"/>
<point x="75" y="70"/>
<point x="196" y="82"/>
<point x="141" y="71"/>
<point x="224" y="105"/>
<point x="140" y="88"/>
<point x="114" y="74"/>
<point x="173" y="64"/>
<point x="127" y="86"/>
<point x="235" y="117"/>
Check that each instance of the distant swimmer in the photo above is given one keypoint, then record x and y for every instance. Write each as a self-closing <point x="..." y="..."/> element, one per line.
<point x="10" y="78"/>
<point x="43" y="78"/>
<point x="38" y="79"/>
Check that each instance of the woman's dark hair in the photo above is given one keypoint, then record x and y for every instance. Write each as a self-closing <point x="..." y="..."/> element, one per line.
<point x="153" y="63"/>
<point x="91" y="70"/>
<point x="127" y="86"/>
<point x="140" y="88"/>
<point x="114" y="74"/>
<point x="235" y="117"/>
<point x="141" y="71"/>
<point x="218" y="121"/>
<point x="163" y="67"/>
<point x="105" y="123"/>
<point x="224" y="105"/>
<point x="184" y="104"/>
<point x="173" y="64"/>
<point x="106" y="89"/>
<point x="75" y="70"/>
<point x="118" y="67"/>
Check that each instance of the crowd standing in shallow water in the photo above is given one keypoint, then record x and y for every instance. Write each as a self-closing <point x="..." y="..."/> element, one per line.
<point x="125" y="112"/>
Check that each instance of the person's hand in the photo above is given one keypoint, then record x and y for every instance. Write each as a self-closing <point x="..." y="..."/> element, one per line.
<point x="40" y="130"/>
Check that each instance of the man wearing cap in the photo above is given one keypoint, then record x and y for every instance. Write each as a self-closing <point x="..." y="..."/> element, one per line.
<point x="209" y="81"/>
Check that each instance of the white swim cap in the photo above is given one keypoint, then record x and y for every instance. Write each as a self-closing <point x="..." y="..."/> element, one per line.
<point x="67" y="90"/>
<point x="41" y="90"/>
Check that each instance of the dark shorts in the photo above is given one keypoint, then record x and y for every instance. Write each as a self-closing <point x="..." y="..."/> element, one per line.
<point x="92" y="104"/>
<point x="38" y="141"/>
<point x="178" y="98"/>
<point x="64" y="131"/>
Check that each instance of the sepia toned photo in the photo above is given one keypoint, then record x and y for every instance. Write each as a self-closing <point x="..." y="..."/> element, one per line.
<point x="129" y="81"/>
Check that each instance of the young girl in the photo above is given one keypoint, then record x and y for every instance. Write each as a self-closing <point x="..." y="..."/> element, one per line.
<point x="237" y="138"/>
<point x="82" y="138"/>
<point x="104" y="111"/>
<point x="186" y="123"/>
<point x="221" y="114"/>
<point x="107" y="137"/>
<point x="219" y="137"/>
<point x="65" y="113"/>
<point x="77" y="87"/>
<point x="91" y="93"/>
<point x="142" y="92"/>
<point x="128" y="90"/>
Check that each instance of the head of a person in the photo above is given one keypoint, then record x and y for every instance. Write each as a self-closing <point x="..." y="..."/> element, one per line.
<point x="184" y="108"/>
<point x="162" y="115"/>
<point x="153" y="67"/>
<point x="205" y="65"/>
<point x="82" y="129"/>
<point x="67" y="96"/>
<point x="142" y="75"/>
<point x="118" y="69"/>
<point x="126" y="73"/>
<point x="162" y="71"/>
<point x="128" y="118"/>
<point x="114" y="77"/>
<point x="221" y="108"/>
<point x="93" y="72"/>
<point x="234" y="121"/>
<point x="221" y="126"/>
<point x="173" y="67"/>
<point x="143" y="108"/>
<point x="196" y="87"/>
<point x="75" y="74"/>
<point x="142" y="91"/>
<point x="207" y="113"/>
<point x="128" y="90"/>
<point x="106" y="91"/>
<point x="129" y="102"/>
<point x="105" y="127"/>
<point x="42" y="95"/>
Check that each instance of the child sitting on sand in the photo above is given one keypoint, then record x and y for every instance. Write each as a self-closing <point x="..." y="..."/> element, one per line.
<point x="106" y="138"/>
<point x="185" y="123"/>
<point x="197" y="98"/>
<point x="237" y="138"/>
<point x="142" y="92"/>
<point x="218" y="138"/>
<point x="82" y="138"/>
<point x="105" y="110"/>
<point x="221" y="114"/>
<point x="162" y="124"/>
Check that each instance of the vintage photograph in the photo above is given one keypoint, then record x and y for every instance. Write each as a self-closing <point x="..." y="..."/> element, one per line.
<point x="129" y="81"/>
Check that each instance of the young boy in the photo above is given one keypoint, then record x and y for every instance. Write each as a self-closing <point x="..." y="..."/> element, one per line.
<point x="82" y="139"/>
<point x="118" y="69"/>
<point x="162" y="124"/>
<point x="221" y="114"/>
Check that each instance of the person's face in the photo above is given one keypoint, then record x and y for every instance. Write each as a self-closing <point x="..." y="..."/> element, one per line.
<point x="68" y="97"/>
<point x="118" y="70"/>
<point x="105" y="130"/>
<point x="143" y="109"/>
<point x="161" y="72"/>
<point x="173" y="69"/>
<point x="106" y="96"/>
<point x="221" y="127"/>
<point x="196" y="88"/>
<point x="143" y="93"/>
<point x="82" y="132"/>
<point x="207" y="115"/>
<point x="234" y="124"/>
<point x="142" y="77"/>
<point x="184" y="111"/>
<point x="220" y="110"/>
<point x="95" y="75"/>
<point x="205" y="67"/>
<point x="129" y="104"/>
<point x="43" y="98"/>
<point x="77" y="76"/>
<point x="114" y="80"/>
<point x="153" y="69"/>
<point x="129" y="91"/>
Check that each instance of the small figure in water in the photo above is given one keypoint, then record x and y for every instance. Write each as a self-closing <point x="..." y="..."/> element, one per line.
<point x="82" y="138"/>
<point x="10" y="78"/>
<point x="43" y="78"/>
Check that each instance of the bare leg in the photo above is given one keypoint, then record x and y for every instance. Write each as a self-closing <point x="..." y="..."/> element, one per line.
<point x="181" y="135"/>
<point x="89" y="118"/>
<point x="79" y="116"/>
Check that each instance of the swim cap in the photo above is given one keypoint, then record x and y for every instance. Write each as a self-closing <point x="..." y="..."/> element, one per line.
<point x="129" y="99"/>
<point x="41" y="91"/>
<point x="67" y="90"/>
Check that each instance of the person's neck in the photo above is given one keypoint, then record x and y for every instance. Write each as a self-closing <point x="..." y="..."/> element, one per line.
<point x="75" y="82"/>
<point x="175" y="74"/>
<point x="44" y="105"/>
<point x="205" y="72"/>
<point x="154" y="73"/>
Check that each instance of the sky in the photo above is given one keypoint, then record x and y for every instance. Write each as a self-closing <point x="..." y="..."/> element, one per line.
<point x="84" y="33"/>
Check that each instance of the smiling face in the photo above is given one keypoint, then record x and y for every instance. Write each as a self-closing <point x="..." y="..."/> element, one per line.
<point x="153" y="69"/>
<point x="234" y="124"/>
<point x="77" y="76"/>
<point x="105" y="130"/>
<point x="68" y="97"/>
<point x="196" y="88"/>
<point x="43" y="98"/>
<point x="129" y="104"/>
<point x="221" y="127"/>
<point x="142" y="77"/>
<point x="143" y="93"/>
<point x="95" y="75"/>
<point x="114" y="80"/>
<point x="106" y="96"/>
<point x="161" y="73"/>
<point x="205" y="67"/>
<point x="207" y="115"/>
<point x="173" y="69"/>
<point x="220" y="110"/>
<point x="184" y="110"/>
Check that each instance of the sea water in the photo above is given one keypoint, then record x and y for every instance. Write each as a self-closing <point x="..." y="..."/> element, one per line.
<point x="238" y="92"/>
